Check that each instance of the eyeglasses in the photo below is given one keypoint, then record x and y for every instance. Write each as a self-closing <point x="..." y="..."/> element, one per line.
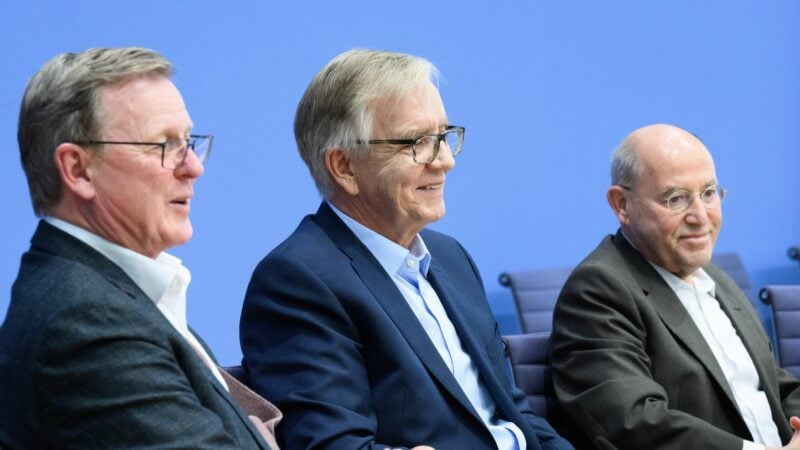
<point x="173" y="151"/>
<point x="425" y="148"/>
<point x="680" y="200"/>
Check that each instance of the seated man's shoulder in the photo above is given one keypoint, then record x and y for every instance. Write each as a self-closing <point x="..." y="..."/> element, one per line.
<point x="607" y="260"/>
<point x="606" y="279"/>
<point x="308" y="246"/>
<point x="61" y="303"/>
<point x="57" y="285"/>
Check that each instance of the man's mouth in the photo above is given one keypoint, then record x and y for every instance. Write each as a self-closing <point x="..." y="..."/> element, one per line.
<point x="182" y="201"/>
<point x="431" y="187"/>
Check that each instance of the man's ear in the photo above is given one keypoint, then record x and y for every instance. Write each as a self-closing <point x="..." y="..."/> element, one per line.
<point x="618" y="200"/>
<point x="73" y="166"/>
<point x="340" y="168"/>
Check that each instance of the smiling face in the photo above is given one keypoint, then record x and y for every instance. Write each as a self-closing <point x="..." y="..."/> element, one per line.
<point x="392" y="194"/>
<point x="679" y="242"/>
<point x="137" y="203"/>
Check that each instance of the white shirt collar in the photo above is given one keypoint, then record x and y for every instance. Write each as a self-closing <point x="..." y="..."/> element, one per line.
<point x="153" y="276"/>
<point x="700" y="281"/>
<point x="164" y="280"/>
<point x="700" y="278"/>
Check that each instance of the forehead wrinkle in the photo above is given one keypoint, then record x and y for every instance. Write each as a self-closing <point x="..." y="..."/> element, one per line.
<point x="411" y="129"/>
<point x="422" y="127"/>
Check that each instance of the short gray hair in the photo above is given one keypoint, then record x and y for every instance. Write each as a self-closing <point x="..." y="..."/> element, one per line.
<point x="625" y="166"/>
<point x="336" y="108"/>
<point x="61" y="104"/>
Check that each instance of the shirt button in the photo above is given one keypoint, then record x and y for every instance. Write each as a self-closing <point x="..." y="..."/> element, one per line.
<point x="410" y="263"/>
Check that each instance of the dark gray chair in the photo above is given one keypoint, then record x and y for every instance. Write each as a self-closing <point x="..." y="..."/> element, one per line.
<point x="535" y="291"/>
<point x="528" y="356"/>
<point x="784" y="301"/>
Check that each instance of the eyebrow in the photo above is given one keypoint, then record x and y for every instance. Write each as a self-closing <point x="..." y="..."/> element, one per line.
<point x="669" y="190"/>
<point x="416" y="132"/>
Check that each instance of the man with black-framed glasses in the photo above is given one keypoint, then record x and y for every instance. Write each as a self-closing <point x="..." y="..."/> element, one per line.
<point x="95" y="351"/>
<point x="366" y="329"/>
<point x="654" y="347"/>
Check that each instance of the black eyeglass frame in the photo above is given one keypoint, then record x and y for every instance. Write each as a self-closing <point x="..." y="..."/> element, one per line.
<point x="190" y="144"/>
<point x="459" y="130"/>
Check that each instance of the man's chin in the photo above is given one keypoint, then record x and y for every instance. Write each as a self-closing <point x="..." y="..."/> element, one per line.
<point x="698" y="259"/>
<point x="181" y="235"/>
<point x="433" y="214"/>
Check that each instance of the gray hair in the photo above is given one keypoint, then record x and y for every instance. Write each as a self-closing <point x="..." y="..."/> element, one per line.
<point x="336" y="108"/>
<point x="61" y="104"/>
<point x="625" y="166"/>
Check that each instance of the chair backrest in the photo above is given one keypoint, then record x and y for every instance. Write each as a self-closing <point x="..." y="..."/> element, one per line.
<point x="784" y="300"/>
<point x="535" y="293"/>
<point x="239" y="373"/>
<point x="528" y="356"/>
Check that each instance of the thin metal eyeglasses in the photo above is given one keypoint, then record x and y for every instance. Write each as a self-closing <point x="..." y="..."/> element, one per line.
<point x="425" y="148"/>
<point x="679" y="200"/>
<point x="173" y="151"/>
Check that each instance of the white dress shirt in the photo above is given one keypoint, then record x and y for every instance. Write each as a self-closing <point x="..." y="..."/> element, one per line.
<point x="408" y="271"/>
<point x="164" y="280"/>
<point x="698" y="297"/>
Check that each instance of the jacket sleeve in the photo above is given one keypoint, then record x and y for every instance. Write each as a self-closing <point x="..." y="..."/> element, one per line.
<point x="304" y="353"/>
<point x="789" y="387"/>
<point x="105" y="378"/>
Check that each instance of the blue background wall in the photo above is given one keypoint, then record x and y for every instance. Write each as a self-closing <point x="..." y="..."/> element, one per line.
<point x="546" y="89"/>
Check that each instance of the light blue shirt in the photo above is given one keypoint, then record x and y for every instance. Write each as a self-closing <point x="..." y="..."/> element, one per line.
<point x="408" y="270"/>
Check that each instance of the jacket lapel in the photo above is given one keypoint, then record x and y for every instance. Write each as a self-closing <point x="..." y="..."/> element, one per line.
<point x="225" y="393"/>
<point x="672" y="312"/>
<point x="737" y="307"/>
<point x="391" y="300"/>
<point x="453" y="298"/>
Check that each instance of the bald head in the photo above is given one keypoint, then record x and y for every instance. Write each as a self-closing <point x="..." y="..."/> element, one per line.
<point x="666" y="196"/>
<point x="646" y="147"/>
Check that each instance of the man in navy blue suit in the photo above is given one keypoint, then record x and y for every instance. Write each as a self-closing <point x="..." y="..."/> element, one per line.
<point x="368" y="331"/>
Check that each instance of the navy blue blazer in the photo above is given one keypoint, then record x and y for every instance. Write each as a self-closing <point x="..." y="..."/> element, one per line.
<point x="88" y="361"/>
<point x="329" y="338"/>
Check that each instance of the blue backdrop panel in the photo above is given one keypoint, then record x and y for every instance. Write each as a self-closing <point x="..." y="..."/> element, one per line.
<point x="546" y="89"/>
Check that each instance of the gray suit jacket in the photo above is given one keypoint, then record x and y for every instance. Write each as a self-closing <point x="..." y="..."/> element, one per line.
<point x="88" y="361"/>
<point x="633" y="370"/>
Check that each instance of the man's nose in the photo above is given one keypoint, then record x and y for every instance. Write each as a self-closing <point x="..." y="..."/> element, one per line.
<point x="191" y="166"/>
